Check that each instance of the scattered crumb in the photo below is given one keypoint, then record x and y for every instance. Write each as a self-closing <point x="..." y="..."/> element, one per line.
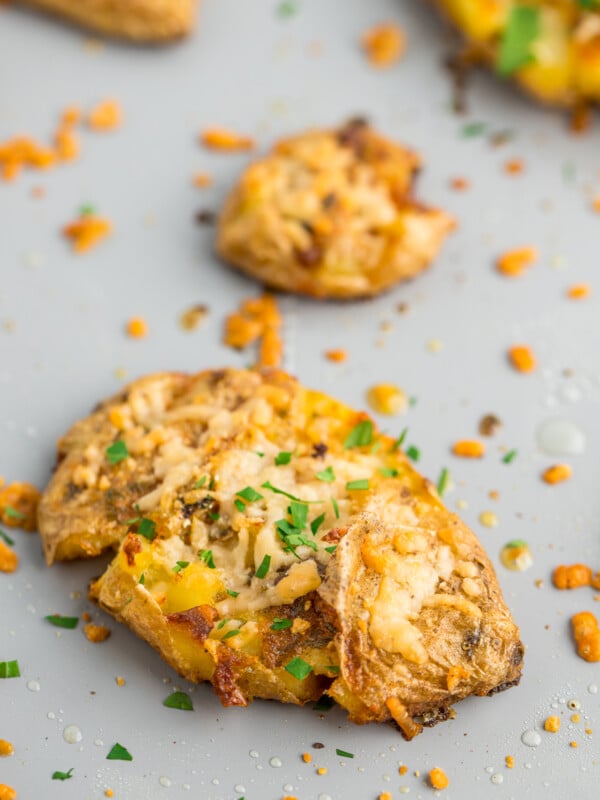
<point x="552" y="724"/>
<point x="514" y="166"/>
<point x="87" y="231"/>
<point x="137" y="328"/>
<point x="206" y="217"/>
<point x="225" y="140"/>
<point x="120" y="681"/>
<point x="6" y="748"/>
<point x="460" y="184"/>
<point x="438" y="778"/>
<point x="488" y="519"/>
<point x="7" y="792"/>
<point x="385" y="796"/>
<point x="579" y="291"/>
<point x="510" y="762"/>
<point x="557" y="473"/>
<point x="96" y="633"/>
<point x="522" y="358"/>
<point x="18" y="505"/>
<point x="193" y="317"/>
<point x="307" y="758"/>
<point x="385" y="398"/>
<point x="336" y="355"/>
<point x="322" y="771"/>
<point x="435" y="345"/>
<point x="109" y="793"/>
<point x="513" y="263"/>
<point x="573" y="744"/>
<point x="384" y="44"/>
<point x="468" y="448"/>
<point x="202" y="180"/>
<point x="403" y="769"/>
<point x="257" y="319"/>
<point x="575" y="718"/>
<point x="106" y="116"/>
<point x="9" y="561"/>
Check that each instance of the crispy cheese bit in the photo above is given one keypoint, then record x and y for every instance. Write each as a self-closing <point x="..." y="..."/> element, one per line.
<point x="403" y="769"/>
<point x="385" y="398"/>
<point x="23" y="152"/>
<point x="109" y="793"/>
<point x="438" y="778"/>
<point x="6" y="748"/>
<point x="460" y="184"/>
<point x="557" y="473"/>
<point x="514" y="166"/>
<point x="401" y="717"/>
<point x="384" y="44"/>
<point x="573" y="744"/>
<point x="587" y="635"/>
<point x="336" y="356"/>
<point x="66" y="144"/>
<point x="71" y="116"/>
<point x="322" y="771"/>
<point x="106" y="116"/>
<point x="87" y="231"/>
<point x="18" y="505"/>
<point x="137" y="328"/>
<point x="572" y="577"/>
<point x="9" y="561"/>
<point x="307" y="758"/>
<point x="385" y="796"/>
<point x="596" y="204"/>
<point x="202" y="180"/>
<point x="514" y="262"/>
<point x="552" y="724"/>
<point x="579" y="291"/>
<point x="226" y="140"/>
<point x="7" y="792"/>
<point x="85" y="616"/>
<point x="510" y="762"/>
<point x="522" y="358"/>
<point x="120" y="681"/>
<point x="258" y="318"/>
<point x="271" y="348"/>
<point x="469" y="448"/>
<point x="456" y="674"/>
<point x="240" y="331"/>
<point x="96" y="633"/>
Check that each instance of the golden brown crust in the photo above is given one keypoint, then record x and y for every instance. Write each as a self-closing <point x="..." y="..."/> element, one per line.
<point x="331" y="214"/>
<point x="138" y="20"/>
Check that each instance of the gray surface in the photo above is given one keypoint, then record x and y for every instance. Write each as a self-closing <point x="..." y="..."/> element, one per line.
<point x="251" y="70"/>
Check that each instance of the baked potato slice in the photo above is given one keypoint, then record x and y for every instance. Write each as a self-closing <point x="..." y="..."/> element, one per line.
<point x="271" y="541"/>
<point x="551" y="48"/>
<point x="330" y="213"/>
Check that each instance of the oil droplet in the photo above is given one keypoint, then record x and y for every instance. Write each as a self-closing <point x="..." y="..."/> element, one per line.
<point x="164" y="781"/>
<point x="497" y="778"/>
<point x="275" y="762"/>
<point x="33" y="686"/>
<point x="560" y="437"/>
<point x="253" y="754"/>
<point x="531" y="738"/>
<point x="592" y="688"/>
<point x="239" y="788"/>
<point x="516" y="555"/>
<point x="51" y="715"/>
<point x="287" y="787"/>
<point x="488" y="519"/>
<point x="325" y="797"/>
<point x="72" y="734"/>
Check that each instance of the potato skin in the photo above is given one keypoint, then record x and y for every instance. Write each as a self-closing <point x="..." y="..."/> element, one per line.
<point x="330" y="214"/>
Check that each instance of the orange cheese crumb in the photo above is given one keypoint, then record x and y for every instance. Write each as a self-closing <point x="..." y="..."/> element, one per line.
<point x="514" y="262"/>
<point x="438" y="778"/>
<point x="579" y="291"/>
<point x="573" y="744"/>
<point x="336" y="355"/>
<point x="137" y="328"/>
<point x="18" y="505"/>
<point x="6" y="748"/>
<point x="87" y="231"/>
<point x="7" y="792"/>
<point x="522" y="358"/>
<point x="106" y="116"/>
<point x="120" y="681"/>
<point x="552" y="724"/>
<point x="9" y="561"/>
<point x="596" y="204"/>
<point x="460" y="184"/>
<point x="385" y="398"/>
<point x="384" y="44"/>
<point x="71" y="116"/>
<point x="587" y="635"/>
<point x="510" y="762"/>
<point x="96" y="633"/>
<point x="572" y="577"/>
<point x="514" y="166"/>
<point x="109" y="793"/>
<point x="257" y="318"/>
<point x="322" y="771"/>
<point x="20" y="152"/>
<point x="202" y="179"/>
<point x="226" y="140"/>
<point x="307" y="758"/>
<point x="557" y="473"/>
<point x="403" y="769"/>
<point x="575" y="718"/>
<point x="290" y="797"/>
<point x="469" y="448"/>
<point x="66" y="144"/>
<point x="85" y="616"/>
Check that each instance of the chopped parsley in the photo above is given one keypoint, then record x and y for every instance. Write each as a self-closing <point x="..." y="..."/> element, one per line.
<point x="509" y="457"/>
<point x="283" y="458"/>
<point x="443" y="481"/>
<point x="62" y="622"/>
<point x="299" y="668"/>
<point x="229" y="634"/>
<point x="214" y="515"/>
<point x="207" y="557"/>
<point x="259" y="454"/>
<point x="6" y="537"/>
<point x="292" y="536"/>
<point x="333" y="668"/>
<point x="316" y="523"/>
<point x="399" y="441"/>
<point x="388" y="472"/>
<point x="9" y="669"/>
<point x="269" y="485"/>
<point x="240" y="505"/>
<point x="281" y="624"/>
<point x="142" y="579"/>
<point x="57" y="775"/>
<point x="231" y="593"/>
<point x="117" y="452"/>
<point x="13" y="513"/>
<point x="147" y="529"/>
<point x="472" y="129"/>
<point x="180" y="565"/>
<point x="343" y="753"/>
<point x="336" y="508"/>
<point x="249" y="494"/>
<point x="326" y="475"/>
<point x="180" y="701"/>
<point x="362" y="483"/>
<point x="360" y="436"/>
<point x="263" y="567"/>
<point x="331" y="549"/>
<point x="199" y="484"/>
<point x="413" y="453"/>
<point x="522" y="29"/>
<point x="119" y="753"/>
<point x="299" y="514"/>
<point x="86" y="210"/>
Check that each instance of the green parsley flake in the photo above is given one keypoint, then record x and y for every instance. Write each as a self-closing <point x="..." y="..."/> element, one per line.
<point x="443" y="481"/>
<point x="299" y="668"/>
<point x="180" y="701"/>
<point x="119" y="753"/>
<point x="86" y="210"/>
<point x="117" y="452"/>
<point x="214" y="516"/>
<point x="343" y="753"/>
<point x="388" y="472"/>
<point x="263" y="567"/>
<point x="62" y="776"/>
<point x="180" y="565"/>
<point x="229" y="634"/>
<point x="147" y="529"/>
<point x="292" y="537"/>
<point x="207" y="557"/>
<point x="9" y="669"/>
<point x="413" y="453"/>
<point x="472" y="129"/>
<point x="326" y="475"/>
<point x="249" y="494"/>
<point x="316" y="523"/>
<point x="363" y="483"/>
<point x="231" y="593"/>
<point x="336" y="508"/>
<point x="399" y="441"/>
<point x="269" y="485"/>
<point x="199" y="484"/>
<point x="240" y="505"/>
<point x="331" y="549"/>
<point x="360" y="436"/>
<point x="287" y="8"/>
<point x="509" y="457"/>
<point x="142" y="579"/>
<point x="13" y="513"/>
<point x="280" y="624"/>
<point x="282" y="458"/>
<point x="299" y="514"/>
<point x="522" y="30"/>
<point x="5" y="537"/>
<point x="62" y="622"/>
